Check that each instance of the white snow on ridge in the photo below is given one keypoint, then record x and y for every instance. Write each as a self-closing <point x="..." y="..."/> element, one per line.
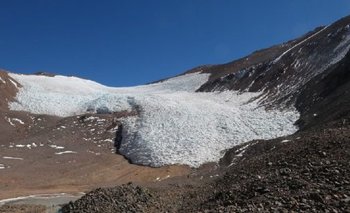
<point x="175" y="125"/>
<point x="298" y="44"/>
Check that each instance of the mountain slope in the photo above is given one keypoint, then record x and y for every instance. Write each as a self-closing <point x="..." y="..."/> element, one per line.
<point x="198" y="126"/>
<point x="288" y="77"/>
<point x="304" y="172"/>
<point x="195" y="119"/>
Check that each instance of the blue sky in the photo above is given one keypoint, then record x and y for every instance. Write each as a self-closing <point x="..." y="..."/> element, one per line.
<point x="130" y="42"/>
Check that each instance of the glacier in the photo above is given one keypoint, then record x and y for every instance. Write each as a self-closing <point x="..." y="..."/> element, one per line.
<point x="174" y="124"/>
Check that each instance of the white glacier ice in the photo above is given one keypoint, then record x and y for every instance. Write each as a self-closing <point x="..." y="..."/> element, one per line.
<point x="174" y="125"/>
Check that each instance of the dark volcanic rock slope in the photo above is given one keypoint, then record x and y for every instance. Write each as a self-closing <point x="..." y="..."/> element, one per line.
<point x="301" y="73"/>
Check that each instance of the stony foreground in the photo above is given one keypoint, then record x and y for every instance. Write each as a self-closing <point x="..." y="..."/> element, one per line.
<point x="305" y="172"/>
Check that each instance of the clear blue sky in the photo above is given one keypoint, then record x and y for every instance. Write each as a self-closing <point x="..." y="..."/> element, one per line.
<point x="130" y="42"/>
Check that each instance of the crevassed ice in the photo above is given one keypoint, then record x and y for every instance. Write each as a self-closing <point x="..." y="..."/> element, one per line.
<point x="175" y="125"/>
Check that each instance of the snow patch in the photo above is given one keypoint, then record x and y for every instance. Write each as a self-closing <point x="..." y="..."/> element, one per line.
<point x="91" y="118"/>
<point x="14" y="83"/>
<point x="242" y="150"/>
<point x="341" y="49"/>
<point x="56" y="147"/>
<point x="65" y="152"/>
<point x="18" y="120"/>
<point x="11" y="121"/>
<point x="12" y="158"/>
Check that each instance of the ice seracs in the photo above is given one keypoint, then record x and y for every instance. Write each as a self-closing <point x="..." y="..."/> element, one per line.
<point x="173" y="125"/>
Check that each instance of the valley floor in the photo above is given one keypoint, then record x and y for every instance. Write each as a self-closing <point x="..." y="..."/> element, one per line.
<point x="306" y="172"/>
<point x="45" y="154"/>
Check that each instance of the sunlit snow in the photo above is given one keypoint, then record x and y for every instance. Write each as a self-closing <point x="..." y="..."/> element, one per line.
<point x="174" y="124"/>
